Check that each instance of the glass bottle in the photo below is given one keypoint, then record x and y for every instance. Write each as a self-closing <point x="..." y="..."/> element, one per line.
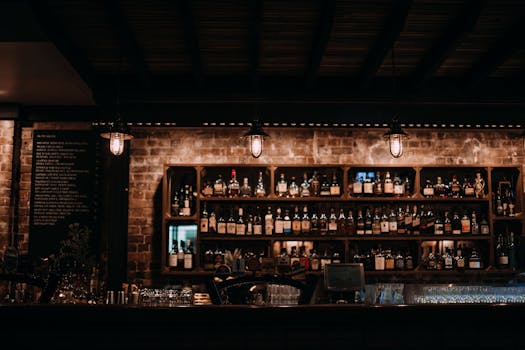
<point x="479" y="186"/>
<point x="360" y="223"/>
<point x="172" y="257"/>
<point x="260" y="189"/>
<point x="293" y="189"/>
<point x="401" y="221"/>
<point x="378" y="185"/>
<point x="428" y="190"/>
<point x="332" y="223"/>
<point x="357" y="187"/>
<point x="368" y="222"/>
<point x="484" y="226"/>
<point x="279" y="224"/>
<point x="511" y="251"/>
<point x="448" y="260"/>
<point x="207" y="189"/>
<point x="460" y="259"/>
<point x="204" y="220"/>
<point x="368" y="186"/>
<point x="287" y="222"/>
<point x="350" y="223"/>
<point x="408" y="220"/>
<point x="231" y="224"/>
<point x="399" y="261"/>
<point x="233" y="185"/>
<point x="314" y="224"/>
<point x="439" y="188"/>
<point x="341" y="222"/>
<point x="439" y="225"/>
<point x="455" y="187"/>
<point x="468" y="188"/>
<point x="240" y="225"/>
<point x="315" y="185"/>
<point x="389" y="260"/>
<point x="181" y="254"/>
<point x="282" y="186"/>
<point x="315" y="264"/>
<point x="268" y="222"/>
<point x="388" y="185"/>
<point x="305" y="186"/>
<point x="376" y="223"/>
<point x="219" y="187"/>
<point x="392" y="222"/>
<point x="456" y="224"/>
<point x="296" y="222"/>
<point x="474" y="225"/>
<point x="501" y="253"/>
<point x="323" y="223"/>
<point x="399" y="187"/>
<point x="304" y="261"/>
<point x="416" y="221"/>
<point x="257" y="223"/>
<point x="465" y="223"/>
<point x="305" y="221"/>
<point x="379" y="260"/>
<point x="474" y="260"/>
<point x="447" y="224"/>
<point x="385" y="228"/>
<point x="246" y="189"/>
<point x="221" y="225"/>
<point x="188" y="256"/>
<point x="409" y="262"/>
<point x="335" y="188"/>
<point x="325" y="187"/>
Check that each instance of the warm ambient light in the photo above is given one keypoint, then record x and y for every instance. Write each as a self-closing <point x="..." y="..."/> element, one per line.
<point x="117" y="134"/>
<point x="256" y="137"/>
<point x="395" y="138"/>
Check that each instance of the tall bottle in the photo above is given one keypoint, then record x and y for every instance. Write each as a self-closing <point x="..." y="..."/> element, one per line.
<point x="219" y="187"/>
<point x="278" y="223"/>
<point x="325" y="186"/>
<point x="511" y="249"/>
<point x="304" y="189"/>
<point x="172" y="257"/>
<point x="388" y="185"/>
<point x="323" y="223"/>
<point x="296" y="221"/>
<point x="281" y="187"/>
<point x="315" y="184"/>
<point x="332" y="222"/>
<point x="180" y="255"/>
<point x="260" y="189"/>
<point x="245" y="190"/>
<point x="335" y="188"/>
<point x="221" y="225"/>
<point x="368" y="222"/>
<point x="293" y="189"/>
<point x="204" y="220"/>
<point x="233" y="185"/>
<point x="305" y="221"/>
<point x="231" y="224"/>
<point x="268" y="222"/>
<point x="188" y="256"/>
<point x="360" y="223"/>
<point x="240" y="225"/>
<point x="501" y="253"/>
<point x="287" y="222"/>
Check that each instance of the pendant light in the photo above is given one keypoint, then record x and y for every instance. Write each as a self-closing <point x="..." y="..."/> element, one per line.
<point x="118" y="132"/>
<point x="395" y="136"/>
<point x="255" y="137"/>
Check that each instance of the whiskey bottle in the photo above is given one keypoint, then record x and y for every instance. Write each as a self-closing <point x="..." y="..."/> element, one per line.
<point x="287" y="223"/>
<point x="188" y="256"/>
<point x="175" y="204"/>
<point x="378" y="185"/>
<point x="399" y="187"/>
<point x="305" y="221"/>
<point x="233" y="185"/>
<point x="180" y="255"/>
<point x="231" y="225"/>
<point x="323" y="224"/>
<point x="246" y="189"/>
<point x="212" y="223"/>
<point x="336" y="258"/>
<point x="357" y="187"/>
<point x="304" y="190"/>
<point x="294" y="258"/>
<point x="401" y="221"/>
<point x="350" y="223"/>
<point x="392" y="222"/>
<point x="447" y="224"/>
<point x="439" y="225"/>
<point x="279" y="224"/>
<point x="465" y="223"/>
<point x="409" y="261"/>
<point x="501" y="253"/>
<point x="296" y="222"/>
<point x="315" y="263"/>
<point x="379" y="260"/>
<point x="428" y="190"/>
<point x="399" y="261"/>
<point x="376" y="223"/>
<point x="304" y="261"/>
<point x="408" y="220"/>
<point x="172" y="258"/>
<point x="484" y="226"/>
<point x="468" y="188"/>
<point x="257" y="223"/>
<point x="204" y="220"/>
<point x="368" y="222"/>
<point x="360" y="223"/>
<point x="260" y="190"/>
<point x="385" y="228"/>
<point x="207" y="189"/>
<point x="240" y="225"/>
<point x="325" y="187"/>
<point x="293" y="189"/>
<point x="282" y="186"/>
<point x="416" y="221"/>
<point x="219" y="187"/>
<point x="440" y="189"/>
<point x="332" y="223"/>
<point x="389" y="260"/>
<point x="448" y="260"/>
<point x="315" y="185"/>
<point x="187" y="202"/>
<point x="268" y="222"/>
<point x="335" y="188"/>
<point x="511" y="251"/>
<point x="314" y="224"/>
<point x="388" y="185"/>
<point x="341" y="223"/>
<point x="455" y="187"/>
<point x="456" y="224"/>
<point x="474" y="260"/>
<point x="474" y="225"/>
<point x="460" y="259"/>
<point x="368" y="186"/>
<point x="326" y="258"/>
<point x="221" y="225"/>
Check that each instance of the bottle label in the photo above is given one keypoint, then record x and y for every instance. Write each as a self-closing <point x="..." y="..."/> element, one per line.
<point x="428" y="191"/>
<point x="392" y="226"/>
<point x="474" y="264"/>
<point x="408" y="220"/>
<point x="231" y="228"/>
<point x="385" y="227"/>
<point x="379" y="263"/>
<point x="172" y="260"/>
<point x="221" y="228"/>
<point x="484" y="229"/>
<point x="305" y="226"/>
<point x="465" y="226"/>
<point x="186" y="211"/>
<point x="503" y="260"/>
<point x="240" y="229"/>
<point x="279" y="226"/>
<point x="212" y="224"/>
<point x="287" y="226"/>
<point x="469" y="191"/>
<point x="335" y="190"/>
<point x="369" y="188"/>
<point x="438" y="229"/>
<point x="399" y="189"/>
<point x="188" y="261"/>
<point x="357" y="187"/>
<point x="257" y="229"/>
<point x="332" y="226"/>
<point x="294" y="191"/>
<point x="282" y="187"/>
<point x="296" y="226"/>
<point x="389" y="264"/>
<point x="204" y="225"/>
<point x="218" y="189"/>
<point x="389" y="188"/>
<point x="315" y="264"/>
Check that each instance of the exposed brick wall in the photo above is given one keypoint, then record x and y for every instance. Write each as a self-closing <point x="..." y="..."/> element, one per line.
<point x="6" y="152"/>
<point x="153" y="147"/>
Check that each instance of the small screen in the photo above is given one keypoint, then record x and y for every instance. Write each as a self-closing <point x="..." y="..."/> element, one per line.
<point x="344" y="277"/>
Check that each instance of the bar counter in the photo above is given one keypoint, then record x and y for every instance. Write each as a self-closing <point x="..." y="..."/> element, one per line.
<point x="356" y="326"/>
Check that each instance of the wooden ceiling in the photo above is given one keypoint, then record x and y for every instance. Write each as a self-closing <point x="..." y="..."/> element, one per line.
<point x="295" y="60"/>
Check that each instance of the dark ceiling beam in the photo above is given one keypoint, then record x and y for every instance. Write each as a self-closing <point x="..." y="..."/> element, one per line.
<point x="54" y="29"/>
<point x="448" y="42"/>
<point x="128" y="42"/>
<point x="324" y="29"/>
<point x="256" y="10"/>
<point x="393" y="26"/>
<point x="192" y="40"/>
<point x="507" y="45"/>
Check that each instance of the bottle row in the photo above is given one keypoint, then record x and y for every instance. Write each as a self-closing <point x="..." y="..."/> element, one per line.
<point x="295" y="220"/>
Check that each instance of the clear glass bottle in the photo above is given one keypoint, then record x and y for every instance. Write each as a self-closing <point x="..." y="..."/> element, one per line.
<point x="304" y="190"/>
<point x="296" y="221"/>
<point x="293" y="189"/>
<point x="268" y="222"/>
<point x="219" y="187"/>
<point x="260" y="189"/>
<point x="172" y="257"/>
<point x="246" y="189"/>
<point x="281" y="187"/>
<point x="305" y="221"/>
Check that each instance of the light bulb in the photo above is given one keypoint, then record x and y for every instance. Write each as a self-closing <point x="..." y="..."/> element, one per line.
<point x="116" y="143"/>
<point x="396" y="145"/>
<point x="256" y="145"/>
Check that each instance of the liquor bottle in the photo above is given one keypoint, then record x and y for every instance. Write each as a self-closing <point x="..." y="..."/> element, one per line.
<point x="282" y="186"/>
<point x="408" y="220"/>
<point x="447" y="224"/>
<point x="511" y="252"/>
<point x="212" y="223"/>
<point x="389" y="260"/>
<point x="231" y="225"/>
<point x="428" y="190"/>
<point x="323" y="223"/>
<point x="188" y="256"/>
<point x="379" y="260"/>
<point x="392" y="222"/>
<point x="186" y="202"/>
<point x="304" y="190"/>
<point x="350" y="223"/>
<point x="221" y="225"/>
<point x="335" y="188"/>
<point x="240" y="225"/>
<point x="233" y="185"/>
<point x="180" y="255"/>
<point x="439" y="225"/>
<point x="260" y="190"/>
<point x="439" y="260"/>
<point x="385" y="228"/>
<point x="422" y="220"/>
<point x="368" y="222"/>
<point x="336" y="258"/>
<point x="501" y="253"/>
<point x="357" y="187"/>
<point x="341" y="223"/>
<point x="314" y="224"/>
<point x="325" y="187"/>
<point x="479" y="186"/>
<point x="204" y="220"/>
<point x="294" y="258"/>
<point x="399" y="261"/>
<point x="456" y="224"/>
<point x="378" y="185"/>
<point x="360" y="223"/>
<point x="376" y="223"/>
<point x="368" y="186"/>
<point x="430" y="261"/>
<point x="293" y="189"/>
<point x="296" y="222"/>
<point x="257" y="223"/>
<point x="283" y="262"/>
<point x="460" y="259"/>
<point x="440" y="188"/>
<point x="408" y="187"/>
<point x="332" y="223"/>
<point x="175" y="204"/>
<point x="315" y="185"/>
<point x="416" y="221"/>
<point x="465" y="223"/>
<point x="409" y="261"/>
<point x="279" y="224"/>
<point x="249" y="224"/>
<point x="474" y="260"/>
<point x="448" y="260"/>
<point x="388" y="185"/>
<point x="474" y="225"/>
<point x="468" y="188"/>
<point x="268" y="222"/>
<point x="287" y="223"/>
<point x="430" y="221"/>
<point x="305" y="221"/>
<point x="246" y="189"/>
<point x="326" y="258"/>
<point x="484" y="226"/>
<point x="399" y="187"/>
<point x="304" y="261"/>
<point x="315" y="263"/>
<point x="455" y="187"/>
<point x="219" y="187"/>
<point x="401" y="221"/>
<point x="172" y="258"/>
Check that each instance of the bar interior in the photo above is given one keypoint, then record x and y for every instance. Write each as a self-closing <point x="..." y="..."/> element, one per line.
<point x="262" y="174"/>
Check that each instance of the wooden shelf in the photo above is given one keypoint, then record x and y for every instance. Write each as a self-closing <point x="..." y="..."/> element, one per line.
<point x="348" y="199"/>
<point x="169" y="217"/>
<point x="226" y="237"/>
<point x="517" y="218"/>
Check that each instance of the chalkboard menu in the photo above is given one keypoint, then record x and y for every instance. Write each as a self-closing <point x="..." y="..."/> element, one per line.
<point x="63" y="187"/>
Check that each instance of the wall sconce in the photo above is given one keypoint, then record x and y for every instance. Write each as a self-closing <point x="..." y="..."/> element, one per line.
<point x="117" y="134"/>
<point x="255" y="137"/>
<point x="395" y="137"/>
